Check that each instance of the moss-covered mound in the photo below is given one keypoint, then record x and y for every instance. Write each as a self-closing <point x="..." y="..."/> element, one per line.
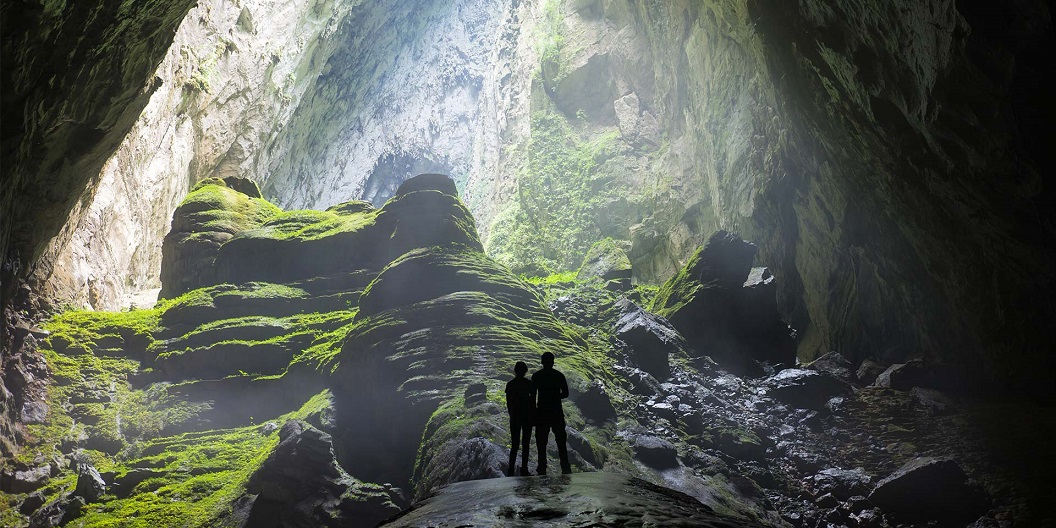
<point x="291" y="246"/>
<point x="214" y="211"/>
<point x="435" y="322"/>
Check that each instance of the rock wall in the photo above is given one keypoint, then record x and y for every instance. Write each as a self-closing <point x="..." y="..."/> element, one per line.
<point x="228" y="84"/>
<point x="884" y="157"/>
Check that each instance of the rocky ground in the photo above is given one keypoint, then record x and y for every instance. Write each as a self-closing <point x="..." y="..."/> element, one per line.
<point x="336" y="367"/>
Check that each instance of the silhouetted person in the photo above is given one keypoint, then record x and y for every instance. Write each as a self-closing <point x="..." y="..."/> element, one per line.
<point x="520" y="402"/>
<point x="550" y="389"/>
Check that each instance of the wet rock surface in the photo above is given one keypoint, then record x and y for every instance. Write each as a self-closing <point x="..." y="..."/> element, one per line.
<point x="598" y="498"/>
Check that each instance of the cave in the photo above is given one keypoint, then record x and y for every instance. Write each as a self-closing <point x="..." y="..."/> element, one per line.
<point x="273" y="263"/>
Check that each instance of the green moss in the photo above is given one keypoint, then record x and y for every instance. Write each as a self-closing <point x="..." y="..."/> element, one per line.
<point x="307" y="225"/>
<point x="550" y="43"/>
<point x="212" y="206"/>
<point x="200" y="475"/>
<point x="562" y="201"/>
<point x="679" y="290"/>
<point x="563" y="278"/>
<point x="330" y="331"/>
<point x="605" y="259"/>
<point x="82" y="330"/>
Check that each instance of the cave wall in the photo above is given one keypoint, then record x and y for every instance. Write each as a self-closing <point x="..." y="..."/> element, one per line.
<point x="229" y="82"/>
<point x="886" y="158"/>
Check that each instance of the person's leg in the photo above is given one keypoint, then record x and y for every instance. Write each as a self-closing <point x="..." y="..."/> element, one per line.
<point x="542" y="433"/>
<point x="515" y="440"/>
<point x="562" y="448"/>
<point x="526" y="435"/>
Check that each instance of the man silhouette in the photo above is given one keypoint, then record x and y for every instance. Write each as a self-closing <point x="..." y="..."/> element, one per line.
<point x="550" y="389"/>
<point x="520" y="402"/>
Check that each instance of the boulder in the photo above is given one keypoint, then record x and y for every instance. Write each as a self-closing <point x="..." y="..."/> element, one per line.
<point x="803" y="388"/>
<point x="90" y="484"/>
<point x="26" y="480"/>
<point x="642" y="383"/>
<point x="31" y="503"/>
<point x="650" y="340"/>
<point x="58" y="512"/>
<point x="934" y="401"/>
<point x="842" y="483"/>
<point x="930" y="489"/>
<point x="654" y="452"/>
<point x="475" y="393"/>
<point x="868" y="371"/>
<point x="577" y="443"/>
<point x="594" y="403"/>
<point x="606" y="261"/>
<point x="301" y="484"/>
<point x="471" y="458"/>
<point x="903" y="376"/>
<point x="835" y="364"/>
<point x="726" y="309"/>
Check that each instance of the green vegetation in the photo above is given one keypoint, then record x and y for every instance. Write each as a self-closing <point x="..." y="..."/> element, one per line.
<point x="550" y="42"/>
<point x="566" y="277"/>
<point x="605" y="260"/>
<point x="307" y="225"/>
<point x="212" y="206"/>
<point x="198" y="475"/>
<point x="679" y="290"/>
<point x="561" y="196"/>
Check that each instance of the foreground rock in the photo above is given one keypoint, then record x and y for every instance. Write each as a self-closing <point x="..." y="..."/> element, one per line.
<point x="580" y="499"/>
<point x="930" y="489"/>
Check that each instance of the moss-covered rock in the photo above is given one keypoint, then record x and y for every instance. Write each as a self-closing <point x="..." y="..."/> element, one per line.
<point x="434" y="322"/>
<point x="213" y="212"/>
<point x="349" y="237"/>
<point x="605" y="260"/>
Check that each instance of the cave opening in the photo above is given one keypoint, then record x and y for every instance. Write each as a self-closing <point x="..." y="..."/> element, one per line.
<point x="272" y="263"/>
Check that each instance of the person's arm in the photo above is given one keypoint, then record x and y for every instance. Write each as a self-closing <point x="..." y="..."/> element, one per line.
<point x="564" y="386"/>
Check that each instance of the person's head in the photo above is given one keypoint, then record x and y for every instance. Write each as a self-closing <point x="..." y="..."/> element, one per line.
<point x="547" y="359"/>
<point x="520" y="369"/>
